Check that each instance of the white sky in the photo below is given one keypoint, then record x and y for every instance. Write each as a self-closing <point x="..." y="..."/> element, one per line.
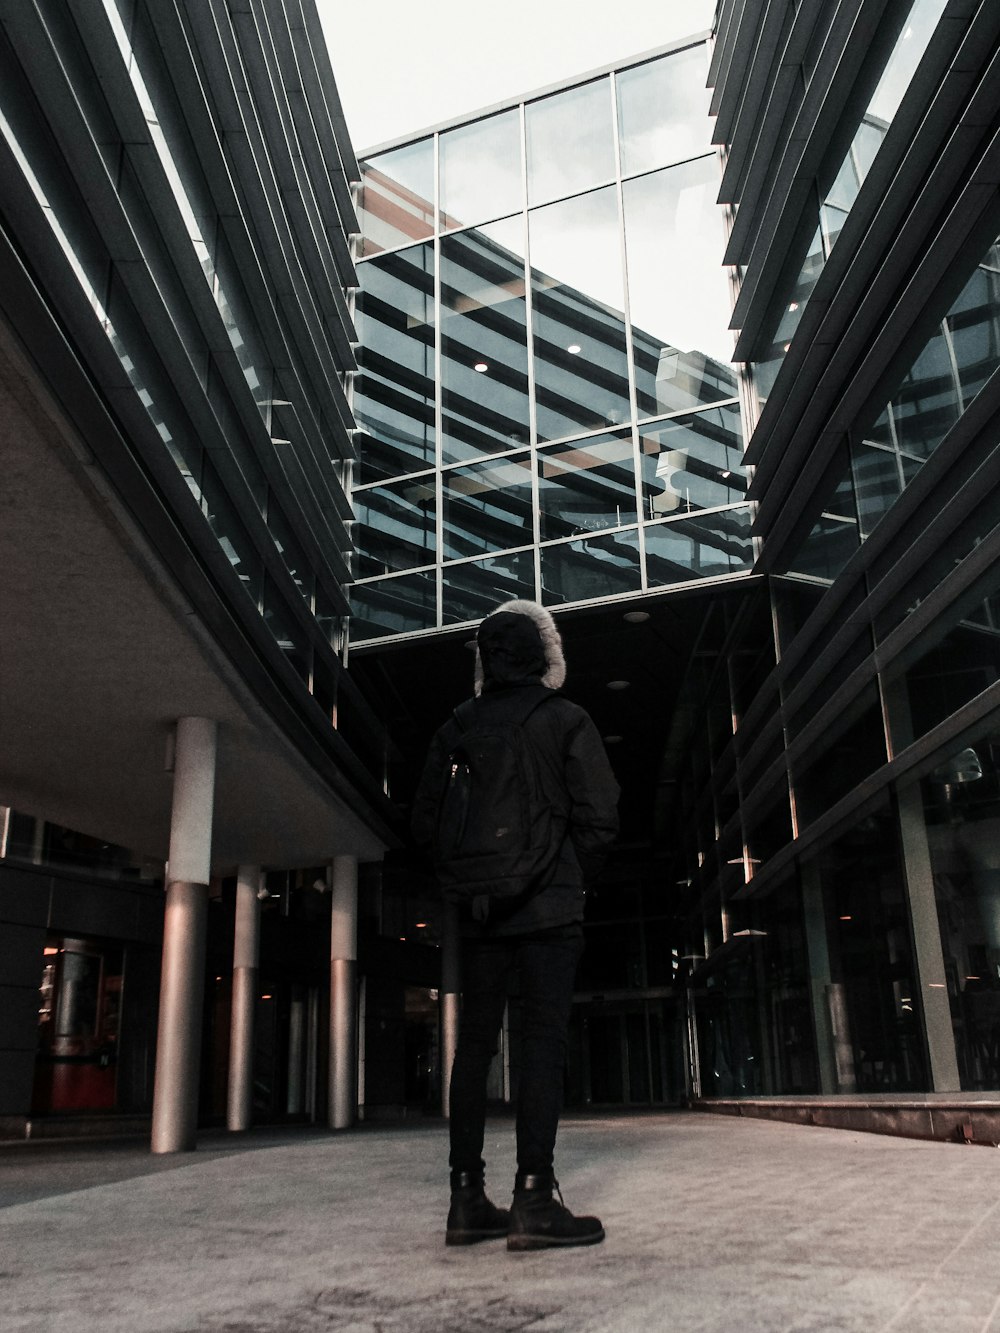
<point x="409" y="64"/>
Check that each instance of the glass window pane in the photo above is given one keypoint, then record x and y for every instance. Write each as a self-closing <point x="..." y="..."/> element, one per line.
<point x="596" y="567"/>
<point x="397" y="198"/>
<point x="480" y="166"/>
<point x="487" y="507"/>
<point x="570" y="141"/>
<point x="393" y="606"/>
<point x="663" y="110"/>
<point x="692" y="462"/>
<point x="395" y="526"/>
<point x="473" y="590"/>
<point x="484" y="352"/>
<point x="394" y="394"/>
<point x="586" y="485"/>
<point x="679" y="293"/>
<point x="581" y="366"/>
<point x="699" y="548"/>
<point x="289" y="634"/>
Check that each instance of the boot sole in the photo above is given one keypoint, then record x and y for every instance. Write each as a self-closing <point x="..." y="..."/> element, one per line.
<point x="521" y="1242"/>
<point x="472" y="1237"/>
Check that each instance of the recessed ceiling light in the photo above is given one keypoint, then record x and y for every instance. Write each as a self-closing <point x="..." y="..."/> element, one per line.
<point x="481" y="367"/>
<point x="619" y="684"/>
<point x="574" y="348"/>
<point x="635" y="617"/>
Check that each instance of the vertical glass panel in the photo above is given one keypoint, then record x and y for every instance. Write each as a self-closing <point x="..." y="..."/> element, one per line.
<point x="704" y="547"/>
<point x="586" y="485"/>
<point x="597" y="567"/>
<point x="663" y="111"/>
<point x="570" y="141"/>
<point x="395" y="527"/>
<point x="393" y="606"/>
<point x="474" y="589"/>
<point x="487" y="507"/>
<point x="290" y="550"/>
<point x="581" y="366"/>
<point x="692" y="462"/>
<point x="394" y="394"/>
<point x="290" y="635"/>
<point x="678" y="290"/>
<point x="484" y="352"/>
<point x="230" y="533"/>
<point x="870" y="992"/>
<point x="961" y="801"/>
<point x="480" y="170"/>
<point x="397" y="198"/>
<point x="927" y="404"/>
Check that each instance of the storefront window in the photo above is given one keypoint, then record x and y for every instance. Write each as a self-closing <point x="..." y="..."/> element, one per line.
<point x="79" y="1007"/>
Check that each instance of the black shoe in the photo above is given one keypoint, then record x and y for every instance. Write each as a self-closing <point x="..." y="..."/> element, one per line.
<point x="471" y="1217"/>
<point x="538" y="1222"/>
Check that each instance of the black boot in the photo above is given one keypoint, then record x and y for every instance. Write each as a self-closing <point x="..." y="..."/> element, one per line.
<point x="538" y="1222"/>
<point x="472" y="1217"/>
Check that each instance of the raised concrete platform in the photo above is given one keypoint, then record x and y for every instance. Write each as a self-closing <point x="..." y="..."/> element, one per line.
<point x="946" y="1116"/>
<point x="713" y="1224"/>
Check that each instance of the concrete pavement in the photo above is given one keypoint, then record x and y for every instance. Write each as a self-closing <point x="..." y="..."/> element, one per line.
<point x="713" y="1224"/>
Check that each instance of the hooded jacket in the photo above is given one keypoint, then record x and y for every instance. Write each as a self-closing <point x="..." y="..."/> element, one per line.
<point x="518" y="647"/>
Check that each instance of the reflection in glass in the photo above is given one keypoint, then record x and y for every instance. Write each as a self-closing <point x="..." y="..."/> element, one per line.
<point x="480" y="170"/>
<point x="580" y="362"/>
<point x="570" y="141"/>
<point x="487" y="507"/>
<point x="702" y="547"/>
<point x="678" y="289"/>
<point x="397" y="198"/>
<point x="663" y="110"/>
<point x="597" y="567"/>
<point x="474" y="589"/>
<point x="586" y="485"/>
<point x="394" y="393"/>
<point x="692" y="462"/>
<point x="393" y="606"/>
<point x="395" y="525"/>
<point x="484" y="353"/>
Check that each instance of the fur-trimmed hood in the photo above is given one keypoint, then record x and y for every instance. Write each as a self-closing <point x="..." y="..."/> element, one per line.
<point x="549" y="666"/>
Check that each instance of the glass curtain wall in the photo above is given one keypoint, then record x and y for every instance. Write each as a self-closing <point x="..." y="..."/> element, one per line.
<point x="546" y="405"/>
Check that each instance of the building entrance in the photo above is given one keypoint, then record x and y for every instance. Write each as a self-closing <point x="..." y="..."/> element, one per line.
<point x="626" y="1052"/>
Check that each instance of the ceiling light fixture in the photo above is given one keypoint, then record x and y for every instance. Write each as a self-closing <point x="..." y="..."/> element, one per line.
<point x="613" y="740"/>
<point x="481" y="367"/>
<point x="619" y="684"/>
<point x="574" y="349"/>
<point x="635" y="617"/>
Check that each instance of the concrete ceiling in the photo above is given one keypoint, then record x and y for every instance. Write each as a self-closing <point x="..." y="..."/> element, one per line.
<point x="99" y="654"/>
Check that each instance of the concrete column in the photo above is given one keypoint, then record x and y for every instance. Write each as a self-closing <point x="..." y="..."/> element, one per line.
<point x="182" y="984"/>
<point x="928" y="957"/>
<point x="246" y="960"/>
<point x="343" y="1100"/>
<point x="451" y="986"/>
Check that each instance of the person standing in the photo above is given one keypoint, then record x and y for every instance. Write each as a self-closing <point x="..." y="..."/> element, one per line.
<point x="529" y="926"/>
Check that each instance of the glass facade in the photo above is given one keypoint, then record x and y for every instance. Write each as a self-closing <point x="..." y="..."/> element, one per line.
<point x="545" y="389"/>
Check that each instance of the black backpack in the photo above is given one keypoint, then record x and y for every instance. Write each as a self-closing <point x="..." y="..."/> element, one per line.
<point x="495" y="835"/>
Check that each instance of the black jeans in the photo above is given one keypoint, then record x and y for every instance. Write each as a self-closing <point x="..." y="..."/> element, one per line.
<point x="545" y="964"/>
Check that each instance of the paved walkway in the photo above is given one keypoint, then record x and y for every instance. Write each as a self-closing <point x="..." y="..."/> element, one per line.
<point x="713" y="1224"/>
